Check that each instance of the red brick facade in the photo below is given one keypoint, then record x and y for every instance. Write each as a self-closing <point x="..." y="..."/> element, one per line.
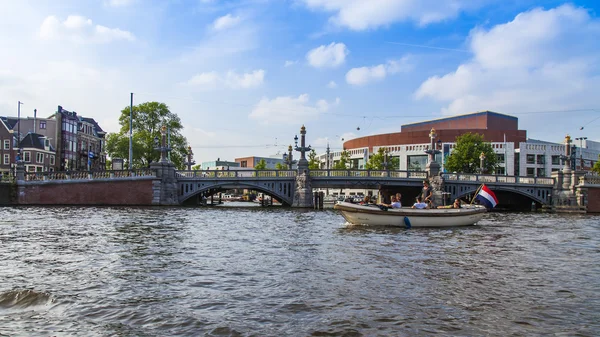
<point x="493" y="126"/>
<point x="593" y="200"/>
<point x="126" y="193"/>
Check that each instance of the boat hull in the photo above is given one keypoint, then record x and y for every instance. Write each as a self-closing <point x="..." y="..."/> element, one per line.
<point x="409" y="217"/>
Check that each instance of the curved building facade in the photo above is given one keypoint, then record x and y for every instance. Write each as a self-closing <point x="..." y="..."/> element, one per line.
<point x="516" y="154"/>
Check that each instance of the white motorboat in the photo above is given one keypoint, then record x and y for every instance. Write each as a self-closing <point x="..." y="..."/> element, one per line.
<point x="372" y="215"/>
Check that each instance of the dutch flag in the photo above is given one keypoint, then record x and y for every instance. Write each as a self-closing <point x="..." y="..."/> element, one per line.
<point x="486" y="197"/>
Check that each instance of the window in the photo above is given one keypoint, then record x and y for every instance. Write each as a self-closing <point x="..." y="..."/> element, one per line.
<point x="42" y="124"/>
<point x="500" y="170"/>
<point x="500" y="158"/>
<point x="7" y="144"/>
<point x="541" y="159"/>
<point x="531" y="159"/>
<point x="6" y="159"/>
<point x="530" y="171"/>
<point x="51" y="160"/>
<point x="244" y="163"/>
<point x="541" y="172"/>
<point x="27" y="156"/>
<point x="555" y="160"/>
<point x="39" y="158"/>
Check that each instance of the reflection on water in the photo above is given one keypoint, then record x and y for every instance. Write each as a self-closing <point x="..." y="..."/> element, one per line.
<point x="253" y="271"/>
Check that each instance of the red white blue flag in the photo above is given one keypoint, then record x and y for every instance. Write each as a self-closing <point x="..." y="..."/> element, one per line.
<point x="487" y="197"/>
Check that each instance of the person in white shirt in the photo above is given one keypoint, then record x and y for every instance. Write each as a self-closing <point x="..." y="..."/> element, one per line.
<point x="395" y="203"/>
<point x="419" y="204"/>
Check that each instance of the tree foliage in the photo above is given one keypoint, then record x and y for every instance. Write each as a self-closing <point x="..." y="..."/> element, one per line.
<point x="148" y="119"/>
<point x="464" y="158"/>
<point x="596" y="167"/>
<point x="313" y="162"/>
<point x="281" y="166"/>
<point x="262" y="165"/>
<point x="343" y="162"/>
<point x="377" y="160"/>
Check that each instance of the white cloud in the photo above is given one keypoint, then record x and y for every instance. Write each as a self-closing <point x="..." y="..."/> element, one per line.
<point x="543" y="59"/>
<point x="226" y="22"/>
<point x="289" y="63"/>
<point x="364" y="75"/>
<point x="80" y="29"/>
<point x="231" y="79"/>
<point x="288" y="109"/>
<point x="119" y="3"/>
<point x="362" y="15"/>
<point x="331" y="56"/>
<point x="332" y="85"/>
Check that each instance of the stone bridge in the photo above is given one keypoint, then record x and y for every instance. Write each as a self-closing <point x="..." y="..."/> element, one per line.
<point x="163" y="185"/>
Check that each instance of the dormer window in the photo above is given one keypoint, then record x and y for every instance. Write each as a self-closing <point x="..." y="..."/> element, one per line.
<point x="42" y="124"/>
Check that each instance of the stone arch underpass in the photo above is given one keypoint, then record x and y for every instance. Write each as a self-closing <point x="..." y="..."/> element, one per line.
<point x="540" y="195"/>
<point x="282" y="190"/>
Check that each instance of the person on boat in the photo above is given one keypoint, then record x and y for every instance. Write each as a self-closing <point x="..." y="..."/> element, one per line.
<point x="456" y="204"/>
<point x="420" y="204"/>
<point x="367" y="201"/>
<point x="398" y="197"/>
<point x="427" y="192"/>
<point x="396" y="202"/>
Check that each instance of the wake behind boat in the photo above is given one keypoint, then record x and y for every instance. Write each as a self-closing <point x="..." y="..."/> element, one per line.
<point x="372" y="215"/>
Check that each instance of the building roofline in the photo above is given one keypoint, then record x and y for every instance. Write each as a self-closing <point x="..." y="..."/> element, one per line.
<point x="471" y="114"/>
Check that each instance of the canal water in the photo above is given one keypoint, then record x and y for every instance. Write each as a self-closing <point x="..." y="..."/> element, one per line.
<point x="223" y="271"/>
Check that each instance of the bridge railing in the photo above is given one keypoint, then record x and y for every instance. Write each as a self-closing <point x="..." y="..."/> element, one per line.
<point x="215" y="174"/>
<point x="88" y="175"/>
<point x="368" y="173"/>
<point x="487" y="178"/>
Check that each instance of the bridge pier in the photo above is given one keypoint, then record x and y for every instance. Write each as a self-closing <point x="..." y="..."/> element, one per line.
<point x="303" y="193"/>
<point x="164" y="187"/>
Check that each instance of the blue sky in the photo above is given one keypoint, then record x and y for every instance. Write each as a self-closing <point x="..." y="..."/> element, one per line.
<point x="245" y="75"/>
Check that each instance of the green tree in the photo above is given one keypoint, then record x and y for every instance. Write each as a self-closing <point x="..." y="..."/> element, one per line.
<point x="313" y="162"/>
<point x="196" y="167"/>
<point x="148" y="119"/>
<point x="281" y="166"/>
<point x="262" y="165"/>
<point x="596" y="167"/>
<point x="464" y="158"/>
<point x="344" y="160"/>
<point x="377" y="160"/>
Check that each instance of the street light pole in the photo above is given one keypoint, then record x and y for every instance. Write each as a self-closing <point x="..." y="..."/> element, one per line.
<point x="581" y="139"/>
<point x="131" y="132"/>
<point x="19" y="131"/>
<point x="481" y="159"/>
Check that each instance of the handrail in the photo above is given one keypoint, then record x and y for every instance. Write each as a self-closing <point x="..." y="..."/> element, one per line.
<point x="88" y="175"/>
<point x="216" y="174"/>
<point x="489" y="178"/>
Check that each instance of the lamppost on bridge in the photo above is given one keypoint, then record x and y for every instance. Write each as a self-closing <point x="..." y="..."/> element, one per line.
<point x="327" y="159"/>
<point x="567" y="156"/>
<point x="481" y="162"/>
<point x="190" y="157"/>
<point x="581" y="139"/>
<point x="302" y="162"/>
<point x="162" y="147"/>
<point x="432" y="167"/>
<point x="288" y="158"/>
<point x="385" y="159"/>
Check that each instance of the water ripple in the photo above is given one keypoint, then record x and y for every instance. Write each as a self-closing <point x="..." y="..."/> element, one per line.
<point x="103" y="271"/>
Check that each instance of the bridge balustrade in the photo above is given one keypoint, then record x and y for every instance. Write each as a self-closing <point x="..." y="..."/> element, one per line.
<point x="87" y="175"/>
<point x="487" y="178"/>
<point x="216" y="174"/>
<point x="368" y="173"/>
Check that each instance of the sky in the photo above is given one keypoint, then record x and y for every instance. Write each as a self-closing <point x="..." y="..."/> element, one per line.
<point x="245" y="75"/>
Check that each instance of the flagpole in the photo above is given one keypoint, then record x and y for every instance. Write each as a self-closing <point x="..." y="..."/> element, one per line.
<point x="475" y="195"/>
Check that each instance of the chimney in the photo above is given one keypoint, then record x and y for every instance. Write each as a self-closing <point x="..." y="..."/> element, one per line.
<point x="34" y="115"/>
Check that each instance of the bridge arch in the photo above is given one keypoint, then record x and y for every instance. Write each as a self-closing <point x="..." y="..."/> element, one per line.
<point x="539" y="195"/>
<point x="280" y="190"/>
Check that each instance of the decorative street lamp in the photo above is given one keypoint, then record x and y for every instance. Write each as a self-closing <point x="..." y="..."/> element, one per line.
<point x="163" y="148"/>
<point x="327" y="159"/>
<point x="288" y="158"/>
<point x="432" y="167"/>
<point x="302" y="162"/>
<point x="581" y="139"/>
<point x="567" y="155"/>
<point x="190" y="156"/>
<point x="481" y="160"/>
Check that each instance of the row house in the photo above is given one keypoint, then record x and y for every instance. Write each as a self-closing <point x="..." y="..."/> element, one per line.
<point x="71" y="142"/>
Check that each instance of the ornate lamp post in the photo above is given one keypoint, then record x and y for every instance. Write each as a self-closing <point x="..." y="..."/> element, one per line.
<point x="567" y="155"/>
<point x="162" y="147"/>
<point x="581" y="139"/>
<point x="432" y="167"/>
<point x="288" y="158"/>
<point x="302" y="162"/>
<point x="327" y="159"/>
<point x="481" y="161"/>
<point x="190" y="161"/>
